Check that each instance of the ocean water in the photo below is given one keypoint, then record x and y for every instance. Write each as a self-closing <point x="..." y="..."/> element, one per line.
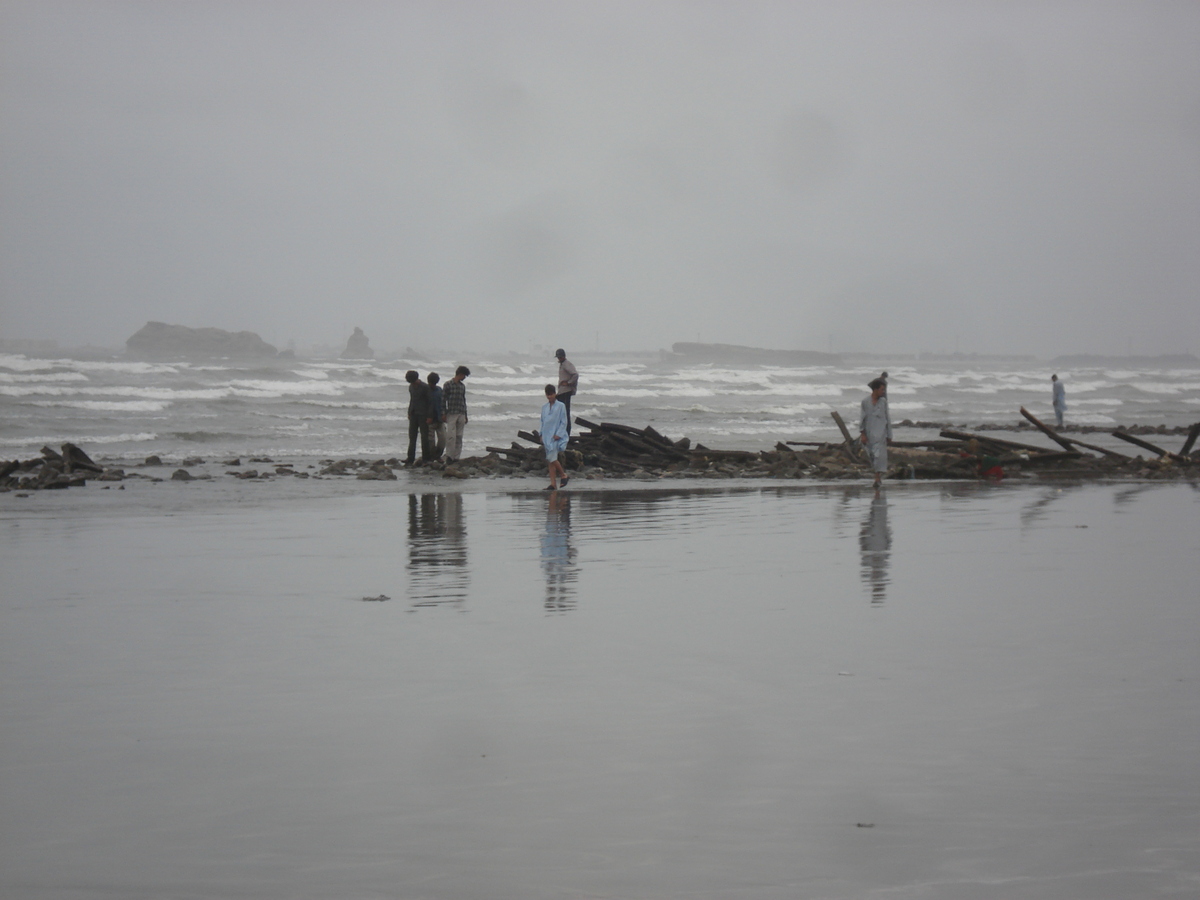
<point x="125" y="410"/>
<point x="937" y="692"/>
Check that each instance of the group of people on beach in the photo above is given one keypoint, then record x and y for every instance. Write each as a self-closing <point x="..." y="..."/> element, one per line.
<point x="438" y="416"/>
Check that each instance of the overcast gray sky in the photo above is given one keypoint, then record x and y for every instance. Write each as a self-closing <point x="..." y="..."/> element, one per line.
<point x="1000" y="177"/>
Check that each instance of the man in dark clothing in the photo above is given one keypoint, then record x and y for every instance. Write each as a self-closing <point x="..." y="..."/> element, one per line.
<point x="420" y="416"/>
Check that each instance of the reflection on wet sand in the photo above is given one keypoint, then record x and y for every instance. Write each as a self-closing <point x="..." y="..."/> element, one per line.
<point x="875" y="541"/>
<point x="437" y="550"/>
<point x="1034" y="511"/>
<point x="558" y="555"/>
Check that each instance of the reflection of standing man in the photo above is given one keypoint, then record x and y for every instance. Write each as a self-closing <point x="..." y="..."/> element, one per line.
<point x="437" y="549"/>
<point x="568" y="382"/>
<point x="558" y="555"/>
<point x="875" y="541"/>
<point x="454" y="412"/>
<point x="1060" y="399"/>
<point x="875" y="427"/>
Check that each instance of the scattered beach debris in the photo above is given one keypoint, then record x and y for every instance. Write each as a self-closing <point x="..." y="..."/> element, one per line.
<point x="614" y="450"/>
<point x="378" y="599"/>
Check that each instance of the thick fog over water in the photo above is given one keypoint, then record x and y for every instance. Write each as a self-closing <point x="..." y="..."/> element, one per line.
<point x="847" y="176"/>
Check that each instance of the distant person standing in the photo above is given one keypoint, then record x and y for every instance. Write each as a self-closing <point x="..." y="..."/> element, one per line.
<point x="875" y="427"/>
<point x="437" y="428"/>
<point x="454" y="412"/>
<point x="568" y="383"/>
<point x="1060" y="399"/>
<point x="554" y="437"/>
<point x="420" y="416"/>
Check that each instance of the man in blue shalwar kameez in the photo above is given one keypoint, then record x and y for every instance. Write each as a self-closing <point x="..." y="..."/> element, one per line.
<point x="554" y="437"/>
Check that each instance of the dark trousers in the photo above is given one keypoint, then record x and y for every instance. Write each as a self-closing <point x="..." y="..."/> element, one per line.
<point x="565" y="399"/>
<point x="415" y="427"/>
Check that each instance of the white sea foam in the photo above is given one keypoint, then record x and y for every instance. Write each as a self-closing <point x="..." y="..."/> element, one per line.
<point x="1160" y="387"/>
<point x="20" y="363"/>
<point x="108" y="405"/>
<point x="130" y="368"/>
<point x="359" y="404"/>
<point x="534" y="383"/>
<point x="149" y="393"/>
<point x="266" y="389"/>
<point x="40" y="377"/>
<point x="681" y="391"/>
<point x="81" y="439"/>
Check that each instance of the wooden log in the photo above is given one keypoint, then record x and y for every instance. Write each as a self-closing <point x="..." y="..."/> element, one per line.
<point x="1046" y="429"/>
<point x="656" y="437"/>
<point x="723" y="454"/>
<point x="7" y="468"/>
<point x="997" y="442"/>
<point x="586" y="424"/>
<point x="52" y="454"/>
<point x="637" y="444"/>
<point x="850" y="448"/>
<point x="609" y="462"/>
<point x="1055" y="457"/>
<point x="1111" y="454"/>
<point x="1191" y="440"/>
<point x="1146" y="445"/>
<point x="521" y="452"/>
<point x="75" y="458"/>
<point x="534" y="437"/>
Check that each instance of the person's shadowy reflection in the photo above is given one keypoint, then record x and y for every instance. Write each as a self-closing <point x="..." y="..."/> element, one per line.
<point x="875" y="541"/>
<point x="1034" y="512"/>
<point x="437" y="550"/>
<point x="558" y="555"/>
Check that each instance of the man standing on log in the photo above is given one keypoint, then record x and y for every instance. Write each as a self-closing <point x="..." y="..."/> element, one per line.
<point x="554" y="437"/>
<point x="454" y="412"/>
<point x="1059" y="394"/>
<point x="568" y="382"/>
<point x="420" y="416"/>
<point x="875" y="427"/>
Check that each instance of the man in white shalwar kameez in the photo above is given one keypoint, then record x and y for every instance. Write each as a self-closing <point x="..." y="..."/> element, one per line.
<point x="875" y="427"/>
<point x="1059" y="394"/>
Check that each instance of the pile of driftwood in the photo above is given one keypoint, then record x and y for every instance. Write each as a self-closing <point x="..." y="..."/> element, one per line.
<point x="612" y="449"/>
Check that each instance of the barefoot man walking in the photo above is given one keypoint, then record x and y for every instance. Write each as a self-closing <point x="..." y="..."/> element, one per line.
<point x="875" y="427"/>
<point x="554" y="437"/>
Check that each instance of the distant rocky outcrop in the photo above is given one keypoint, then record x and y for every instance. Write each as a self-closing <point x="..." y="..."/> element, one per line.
<point x="159" y="340"/>
<point x="358" y="347"/>
<point x="732" y="353"/>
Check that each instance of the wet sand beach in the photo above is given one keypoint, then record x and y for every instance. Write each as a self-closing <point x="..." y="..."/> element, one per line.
<point x="940" y="691"/>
